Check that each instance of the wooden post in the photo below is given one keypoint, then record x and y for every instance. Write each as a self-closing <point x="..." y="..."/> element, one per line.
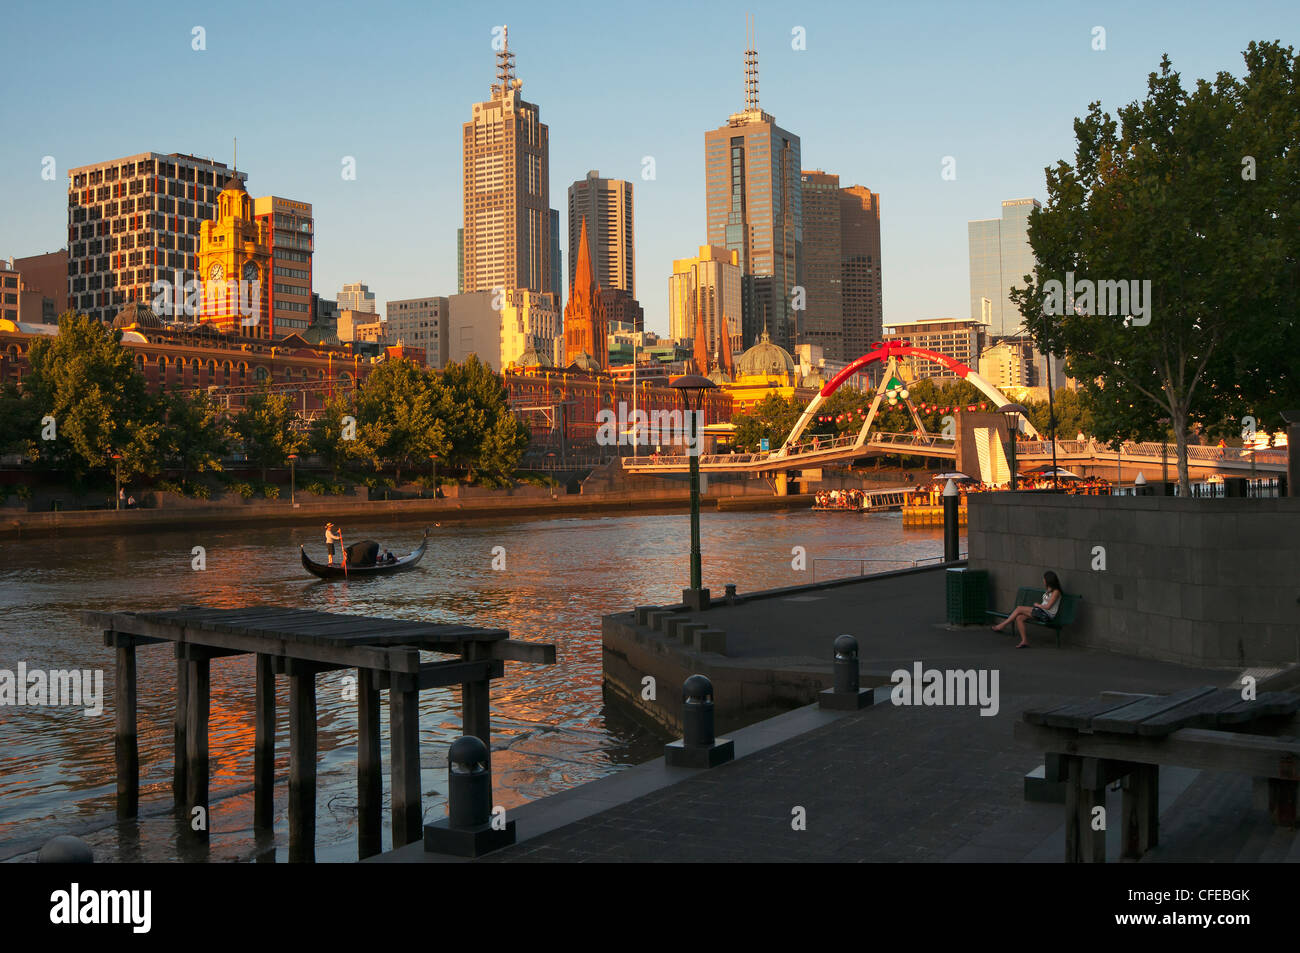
<point x="126" y="748"/>
<point x="180" y="760"/>
<point x="196" y="734"/>
<point x="475" y="701"/>
<point x="1085" y="789"/>
<point x="302" y="766"/>
<point x="264" y="744"/>
<point x="370" y="781"/>
<point x="404" y="732"/>
<point x="1141" y="810"/>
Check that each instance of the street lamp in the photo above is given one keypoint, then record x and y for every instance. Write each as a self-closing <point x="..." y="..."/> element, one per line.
<point x="117" y="479"/>
<point x="433" y="463"/>
<point x="692" y="388"/>
<point x="1013" y="412"/>
<point x="293" y="479"/>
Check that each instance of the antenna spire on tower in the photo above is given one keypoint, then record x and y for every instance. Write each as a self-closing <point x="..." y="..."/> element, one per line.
<point x="505" y="62"/>
<point x="751" y="65"/>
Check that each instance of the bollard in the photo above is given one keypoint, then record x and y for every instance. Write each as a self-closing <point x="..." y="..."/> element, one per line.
<point x="731" y="593"/>
<point x="65" y="849"/>
<point x="951" y="517"/>
<point x="470" y="829"/>
<point x="698" y="747"/>
<point x="847" y="695"/>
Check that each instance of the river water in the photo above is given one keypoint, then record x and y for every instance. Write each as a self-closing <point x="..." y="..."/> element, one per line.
<point x="551" y="730"/>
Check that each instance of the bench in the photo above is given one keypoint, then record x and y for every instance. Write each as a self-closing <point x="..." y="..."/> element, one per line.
<point x="1028" y="596"/>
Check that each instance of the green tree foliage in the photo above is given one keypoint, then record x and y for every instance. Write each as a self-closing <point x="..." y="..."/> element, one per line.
<point x="397" y="416"/>
<point x="20" y="421"/>
<point x="484" y="438"/>
<point x="326" y="438"/>
<point x="773" y="417"/>
<point x="85" y="380"/>
<point x="265" y="427"/>
<point x="1073" y="414"/>
<point x="1197" y="192"/>
<point x="195" y="435"/>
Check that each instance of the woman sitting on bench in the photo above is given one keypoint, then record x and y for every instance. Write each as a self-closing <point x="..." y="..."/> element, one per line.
<point x="1042" y="612"/>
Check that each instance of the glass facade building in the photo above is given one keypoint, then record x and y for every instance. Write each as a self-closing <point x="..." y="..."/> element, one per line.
<point x="1000" y="257"/>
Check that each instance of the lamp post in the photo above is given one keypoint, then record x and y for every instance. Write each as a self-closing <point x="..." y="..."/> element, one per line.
<point x="117" y="480"/>
<point x="433" y="465"/>
<point x="293" y="480"/>
<point x="1013" y="412"/>
<point x="693" y="386"/>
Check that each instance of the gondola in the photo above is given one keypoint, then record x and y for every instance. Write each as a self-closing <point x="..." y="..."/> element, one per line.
<point x="325" y="571"/>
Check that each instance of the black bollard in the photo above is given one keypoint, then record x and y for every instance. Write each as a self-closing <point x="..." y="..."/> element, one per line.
<point x="951" y="517"/>
<point x="731" y="593"/>
<point x="65" y="849"/>
<point x="847" y="695"/>
<point x="698" y="748"/>
<point x="470" y="829"/>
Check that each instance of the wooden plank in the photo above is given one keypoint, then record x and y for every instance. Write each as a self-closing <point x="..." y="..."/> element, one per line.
<point x="118" y="639"/>
<point x="515" y="650"/>
<point x="1080" y="713"/>
<point x="191" y="652"/>
<point x="196" y="736"/>
<point x="1125" y="720"/>
<point x="404" y="737"/>
<point x="264" y="745"/>
<point x="1270" y="704"/>
<point x="302" y="769"/>
<point x="370" y="783"/>
<point x="180" y="756"/>
<point x="476" y="705"/>
<point x="1197" y="713"/>
<point x="1092" y="842"/>
<point x="126" y="749"/>
<point x="1257" y="755"/>
<point x="395" y="659"/>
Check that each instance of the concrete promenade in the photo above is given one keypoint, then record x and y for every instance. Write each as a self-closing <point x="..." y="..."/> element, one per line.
<point x="890" y="783"/>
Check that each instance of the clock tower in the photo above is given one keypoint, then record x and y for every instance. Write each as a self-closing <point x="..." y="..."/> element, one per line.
<point x="235" y="266"/>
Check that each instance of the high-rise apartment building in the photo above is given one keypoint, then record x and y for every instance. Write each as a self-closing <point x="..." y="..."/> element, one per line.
<point x="134" y="221"/>
<point x="1000" y="257"/>
<point x="707" y="285"/>
<point x="754" y="199"/>
<point x="506" y="187"/>
<point x="557" y="260"/>
<point x="419" y="322"/>
<point x="357" y="297"/>
<point x="822" y="318"/>
<point x="861" y="294"/>
<point x="290" y="229"/>
<point x="606" y="206"/>
<point x="957" y="338"/>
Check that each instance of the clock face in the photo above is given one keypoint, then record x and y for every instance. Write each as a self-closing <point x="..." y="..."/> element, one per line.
<point x="250" y="272"/>
<point x="217" y="272"/>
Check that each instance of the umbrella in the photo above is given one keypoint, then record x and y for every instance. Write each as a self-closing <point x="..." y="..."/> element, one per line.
<point x="1059" y="472"/>
<point x="952" y="476"/>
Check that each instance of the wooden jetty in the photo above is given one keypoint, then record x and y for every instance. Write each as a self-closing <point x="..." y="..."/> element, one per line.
<point x="301" y="644"/>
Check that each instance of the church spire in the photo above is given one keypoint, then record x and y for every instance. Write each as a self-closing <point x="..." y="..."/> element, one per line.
<point x="582" y="277"/>
<point x="701" y="339"/>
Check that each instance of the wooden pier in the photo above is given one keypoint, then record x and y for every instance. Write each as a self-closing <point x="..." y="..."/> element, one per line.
<point x="301" y="644"/>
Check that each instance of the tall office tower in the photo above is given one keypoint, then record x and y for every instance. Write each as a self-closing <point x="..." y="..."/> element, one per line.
<point x="606" y="205"/>
<point x="586" y="329"/>
<point x="460" y="261"/>
<point x="823" y="307"/>
<point x="754" y="199"/>
<point x="134" y="221"/>
<point x="557" y="260"/>
<point x="860" y="281"/>
<point x="507" y="190"/>
<point x="708" y="285"/>
<point x="1000" y="257"/>
<point x="357" y="297"/>
<point x="234" y="264"/>
<point x="291" y="231"/>
<point x="420" y="322"/>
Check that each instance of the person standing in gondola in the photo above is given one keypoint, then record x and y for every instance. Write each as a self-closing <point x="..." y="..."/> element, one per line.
<point x="332" y="535"/>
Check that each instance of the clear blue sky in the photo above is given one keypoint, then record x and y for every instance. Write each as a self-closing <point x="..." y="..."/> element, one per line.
<point x="881" y="94"/>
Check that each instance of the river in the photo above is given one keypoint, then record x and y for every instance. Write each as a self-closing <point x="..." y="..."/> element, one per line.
<point x="551" y="730"/>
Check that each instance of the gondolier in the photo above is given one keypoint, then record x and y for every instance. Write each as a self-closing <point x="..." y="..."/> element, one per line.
<point x="332" y="535"/>
<point x="363" y="561"/>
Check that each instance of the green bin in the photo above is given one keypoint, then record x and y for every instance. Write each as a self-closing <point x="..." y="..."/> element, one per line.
<point x="967" y="591"/>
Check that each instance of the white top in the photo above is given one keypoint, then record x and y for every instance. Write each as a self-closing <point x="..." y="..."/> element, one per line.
<point x="1056" y="605"/>
<point x="333" y="537"/>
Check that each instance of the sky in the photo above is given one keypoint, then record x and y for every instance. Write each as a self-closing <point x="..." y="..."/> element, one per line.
<point x="880" y="94"/>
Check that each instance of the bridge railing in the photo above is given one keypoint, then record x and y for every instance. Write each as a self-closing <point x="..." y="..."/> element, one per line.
<point x="878" y="565"/>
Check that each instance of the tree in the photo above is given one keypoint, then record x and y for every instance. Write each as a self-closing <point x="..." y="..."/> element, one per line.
<point x="397" y="416"/>
<point x="329" y="437"/>
<point x="1204" y="243"/>
<point x="20" y="423"/>
<point x="265" y="426"/>
<point x="483" y="434"/>
<point x="85" y="381"/>
<point x="195" y="434"/>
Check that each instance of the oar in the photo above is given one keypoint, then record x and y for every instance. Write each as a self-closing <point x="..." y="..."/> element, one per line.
<point x="345" y="556"/>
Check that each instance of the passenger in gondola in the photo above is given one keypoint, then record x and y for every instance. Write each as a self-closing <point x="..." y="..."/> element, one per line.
<point x="389" y="557"/>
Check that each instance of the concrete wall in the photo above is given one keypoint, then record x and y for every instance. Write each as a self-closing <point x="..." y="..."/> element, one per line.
<point x="1206" y="582"/>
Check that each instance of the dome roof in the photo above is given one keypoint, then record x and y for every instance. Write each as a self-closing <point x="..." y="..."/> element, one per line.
<point x="814" y="379"/>
<point x="533" y="358"/>
<point x="765" y="359"/>
<point x="136" y="315"/>
<point x="719" y="376"/>
<point x="585" y="362"/>
<point x="234" y="184"/>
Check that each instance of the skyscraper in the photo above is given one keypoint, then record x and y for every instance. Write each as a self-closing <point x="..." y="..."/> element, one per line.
<point x="1000" y="257"/>
<point x="752" y="169"/>
<point x="606" y="206"/>
<point x="860" y="280"/>
<point x="134" y="221"/>
<point x="357" y="297"/>
<point x="822" y="319"/>
<point x="707" y="285"/>
<point x="291" y="231"/>
<point x="507" y="195"/>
